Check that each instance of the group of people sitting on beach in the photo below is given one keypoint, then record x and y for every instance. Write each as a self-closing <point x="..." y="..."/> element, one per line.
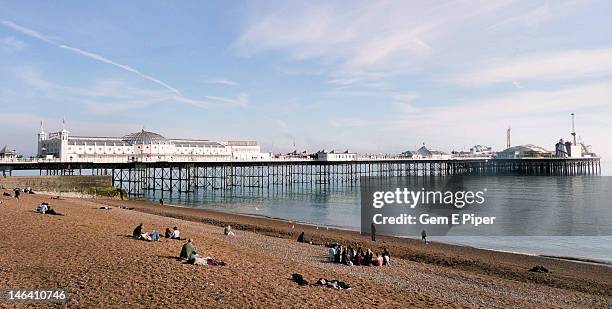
<point x="154" y="234"/>
<point x="174" y="234"/>
<point x="188" y="252"/>
<point x="45" y="209"/>
<point x="18" y="191"/>
<point x="350" y="256"/>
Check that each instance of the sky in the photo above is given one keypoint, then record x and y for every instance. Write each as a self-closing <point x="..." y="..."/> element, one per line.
<point x="369" y="76"/>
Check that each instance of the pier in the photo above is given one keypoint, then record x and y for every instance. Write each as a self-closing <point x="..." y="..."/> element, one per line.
<point x="139" y="177"/>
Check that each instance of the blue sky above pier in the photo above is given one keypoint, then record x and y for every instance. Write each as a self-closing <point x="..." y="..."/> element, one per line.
<point x="372" y="76"/>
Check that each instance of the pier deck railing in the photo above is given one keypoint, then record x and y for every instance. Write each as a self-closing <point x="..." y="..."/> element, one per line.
<point x="139" y="177"/>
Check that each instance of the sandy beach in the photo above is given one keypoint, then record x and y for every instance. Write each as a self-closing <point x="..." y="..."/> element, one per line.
<point x="89" y="251"/>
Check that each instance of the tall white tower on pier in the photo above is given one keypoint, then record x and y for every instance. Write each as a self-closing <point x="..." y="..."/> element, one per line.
<point x="508" y="138"/>
<point x="573" y="130"/>
<point x="41" y="134"/>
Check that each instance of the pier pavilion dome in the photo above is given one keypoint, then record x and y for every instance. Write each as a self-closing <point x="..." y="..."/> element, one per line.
<point x="524" y="151"/>
<point x="145" y="137"/>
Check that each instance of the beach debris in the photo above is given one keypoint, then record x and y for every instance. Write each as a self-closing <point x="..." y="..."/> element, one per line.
<point x="335" y="284"/>
<point x="206" y="261"/>
<point x="539" y="269"/>
<point x="299" y="279"/>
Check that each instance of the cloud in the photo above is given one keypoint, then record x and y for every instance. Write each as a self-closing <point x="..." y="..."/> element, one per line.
<point x="281" y="123"/>
<point x="44" y="38"/>
<point x="538" y="117"/>
<point x="343" y="81"/>
<point x="121" y="66"/>
<point x="221" y="81"/>
<point x="549" y="66"/>
<point x="404" y="97"/>
<point x="240" y="100"/>
<point x="408" y="108"/>
<point x="517" y="85"/>
<point x="359" y="39"/>
<point x="110" y="95"/>
<point x="518" y="105"/>
<point x="10" y="44"/>
<point x="353" y="122"/>
<point x="28" y="32"/>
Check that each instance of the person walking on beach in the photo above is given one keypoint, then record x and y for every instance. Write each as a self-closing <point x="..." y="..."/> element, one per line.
<point x="424" y="236"/>
<point x="161" y="201"/>
<point x="373" y="231"/>
<point x="17" y="193"/>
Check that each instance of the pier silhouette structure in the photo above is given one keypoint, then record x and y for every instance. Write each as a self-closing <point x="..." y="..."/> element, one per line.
<point x="138" y="178"/>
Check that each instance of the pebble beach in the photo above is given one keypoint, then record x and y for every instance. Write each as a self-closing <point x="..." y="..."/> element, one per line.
<point x="90" y="252"/>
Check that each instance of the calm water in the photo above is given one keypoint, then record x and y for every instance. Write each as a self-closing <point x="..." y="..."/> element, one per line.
<point x="341" y="208"/>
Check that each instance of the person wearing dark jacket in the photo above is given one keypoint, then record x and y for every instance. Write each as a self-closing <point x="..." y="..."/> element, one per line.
<point x="373" y="230"/>
<point x="52" y="211"/>
<point x="301" y="237"/>
<point x="138" y="231"/>
<point x="386" y="256"/>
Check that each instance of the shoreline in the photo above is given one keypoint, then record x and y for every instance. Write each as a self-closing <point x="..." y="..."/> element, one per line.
<point x="123" y="272"/>
<point x="347" y="229"/>
<point x="483" y="261"/>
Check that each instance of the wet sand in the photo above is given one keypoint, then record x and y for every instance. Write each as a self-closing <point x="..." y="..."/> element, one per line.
<point x="89" y="252"/>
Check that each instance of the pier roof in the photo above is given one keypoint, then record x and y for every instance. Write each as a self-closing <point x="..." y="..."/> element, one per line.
<point x="6" y="150"/>
<point x="145" y="137"/>
<point x="528" y="150"/>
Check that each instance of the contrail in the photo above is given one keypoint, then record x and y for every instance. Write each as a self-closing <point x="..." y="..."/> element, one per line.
<point x="47" y="39"/>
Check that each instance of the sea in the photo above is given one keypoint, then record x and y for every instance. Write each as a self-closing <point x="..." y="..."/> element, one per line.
<point x="341" y="208"/>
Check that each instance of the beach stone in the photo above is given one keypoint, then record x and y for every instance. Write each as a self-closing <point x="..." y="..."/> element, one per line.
<point x="539" y="269"/>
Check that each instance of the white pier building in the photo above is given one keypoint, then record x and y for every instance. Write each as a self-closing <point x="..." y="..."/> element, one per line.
<point x="143" y="146"/>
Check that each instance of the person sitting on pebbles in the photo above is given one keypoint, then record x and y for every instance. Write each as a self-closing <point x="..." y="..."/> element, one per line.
<point x="378" y="261"/>
<point x="51" y="211"/>
<point x="42" y="208"/>
<point x="176" y="234"/>
<point x="227" y="231"/>
<point x="140" y="235"/>
<point x="138" y="231"/>
<point x="386" y="256"/>
<point x="188" y="251"/>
